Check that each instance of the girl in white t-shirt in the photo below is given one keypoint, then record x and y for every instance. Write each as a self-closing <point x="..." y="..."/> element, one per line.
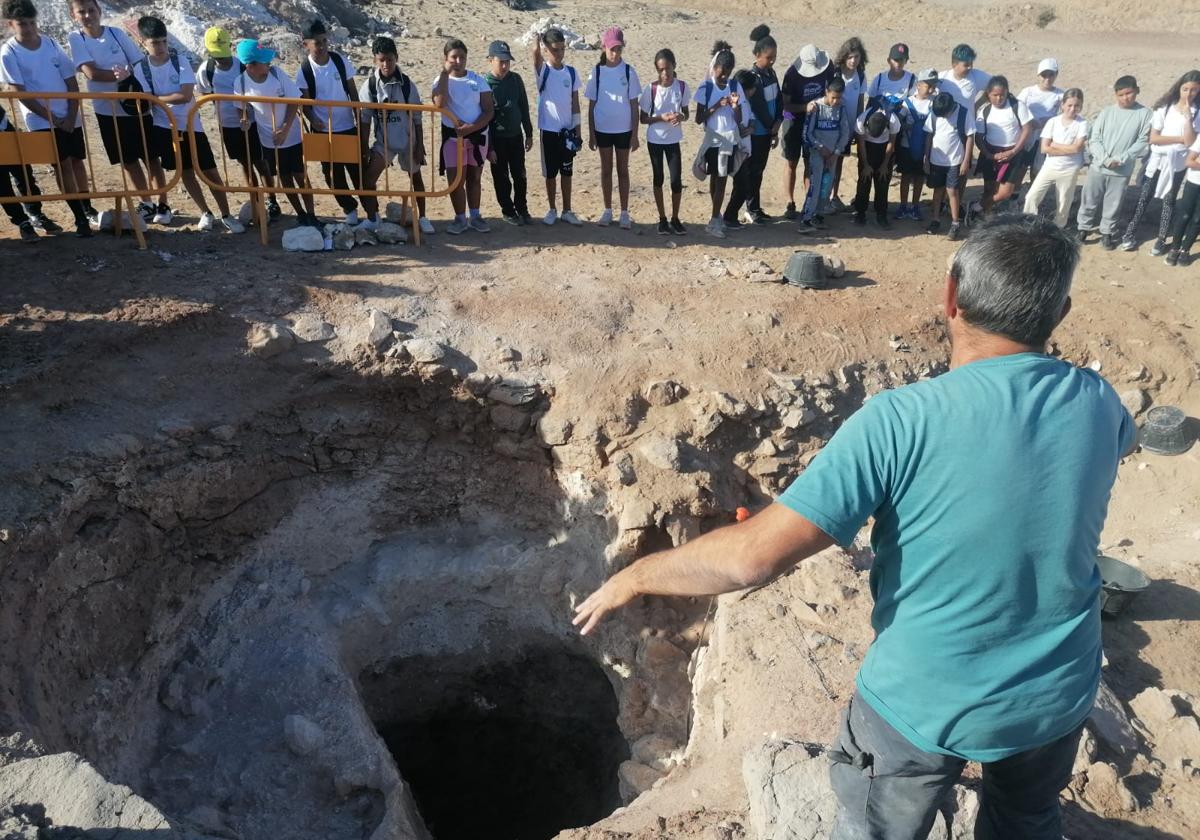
<point x="719" y="110"/>
<point x="468" y="98"/>
<point x="664" y="106"/>
<point x="1062" y="142"/>
<point x="1002" y="127"/>
<point x="612" y="92"/>
<point x="1172" y="130"/>
<point x="1187" y="211"/>
<point x="851" y="62"/>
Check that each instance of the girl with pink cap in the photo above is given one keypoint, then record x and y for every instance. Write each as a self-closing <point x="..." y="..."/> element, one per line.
<point x="613" y="91"/>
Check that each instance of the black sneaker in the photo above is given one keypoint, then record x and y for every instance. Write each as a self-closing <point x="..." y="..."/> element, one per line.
<point x="526" y="219"/>
<point x="45" y="224"/>
<point x="273" y="210"/>
<point x="511" y="217"/>
<point x="1172" y="257"/>
<point x="664" y="228"/>
<point x="731" y="224"/>
<point x="1159" y="248"/>
<point x="28" y="234"/>
<point x="302" y="220"/>
<point x="93" y="216"/>
<point x="1109" y="242"/>
<point x="1082" y="236"/>
<point x="761" y="218"/>
<point x="882" y="220"/>
<point x="83" y="229"/>
<point x="677" y="227"/>
<point x="860" y="219"/>
<point x="807" y="228"/>
<point x="934" y="226"/>
<point x="955" y="231"/>
<point x="819" y="222"/>
<point x="790" y="214"/>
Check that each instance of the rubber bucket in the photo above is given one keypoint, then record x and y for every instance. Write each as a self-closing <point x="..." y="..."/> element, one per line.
<point x="1121" y="583"/>
<point x="805" y="269"/>
<point x="1165" y="431"/>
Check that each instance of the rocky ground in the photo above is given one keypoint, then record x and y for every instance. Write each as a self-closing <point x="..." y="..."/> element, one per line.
<point x="231" y="464"/>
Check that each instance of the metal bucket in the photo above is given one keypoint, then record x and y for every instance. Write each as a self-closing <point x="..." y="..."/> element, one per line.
<point x="1121" y="584"/>
<point x="805" y="269"/>
<point x="1165" y="431"/>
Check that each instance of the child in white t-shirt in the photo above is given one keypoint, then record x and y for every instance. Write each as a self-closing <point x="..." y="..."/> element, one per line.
<point x="719" y="110"/>
<point x="664" y="106"/>
<point x="949" y="145"/>
<point x="171" y="79"/>
<point x="1003" y="126"/>
<point x="910" y="150"/>
<point x="29" y="61"/>
<point x="743" y="179"/>
<point x="851" y="63"/>
<point x="1063" y="140"/>
<point x="468" y="97"/>
<point x="1044" y="101"/>
<point x="612" y="92"/>
<point x="1173" y="129"/>
<point x="558" y="86"/>
<point x="877" y="131"/>
<point x="1187" y="211"/>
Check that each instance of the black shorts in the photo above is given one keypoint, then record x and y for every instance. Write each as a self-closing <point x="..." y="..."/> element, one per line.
<point x="620" y="140"/>
<point x="793" y="140"/>
<point x="70" y="143"/>
<point x="943" y="176"/>
<point x="556" y="160"/>
<point x="289" y="159"/>
<point x="237" y="142"/>
<point x="162" y="148"/>
<point x="1013" y="169"/>
<point x="134" y="136"/>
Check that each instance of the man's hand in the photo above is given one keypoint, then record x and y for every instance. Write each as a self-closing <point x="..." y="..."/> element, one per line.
<point x="528" y="142"/>
<point x="616" y="592"/>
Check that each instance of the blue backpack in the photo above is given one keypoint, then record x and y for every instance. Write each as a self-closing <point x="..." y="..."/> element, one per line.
<point x="914" y="126"/>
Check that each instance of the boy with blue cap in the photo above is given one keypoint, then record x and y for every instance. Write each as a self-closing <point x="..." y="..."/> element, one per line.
<point x="511" y="136"/>
<point x="277" y="124"/>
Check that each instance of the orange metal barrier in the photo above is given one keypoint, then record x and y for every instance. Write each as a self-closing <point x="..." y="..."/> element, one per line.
<point x="24" y="149"/>
<point x="326" y="147"/>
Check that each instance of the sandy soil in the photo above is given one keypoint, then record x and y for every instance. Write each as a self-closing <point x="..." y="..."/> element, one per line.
<point x="96" y="337"/>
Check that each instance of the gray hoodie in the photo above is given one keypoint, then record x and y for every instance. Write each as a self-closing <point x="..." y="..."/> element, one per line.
<point x="391" y="90"/>
<point x="1120" y="134"/>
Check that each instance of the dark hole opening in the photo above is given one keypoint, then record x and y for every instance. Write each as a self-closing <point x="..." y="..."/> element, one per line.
<point x="514" y="750"/>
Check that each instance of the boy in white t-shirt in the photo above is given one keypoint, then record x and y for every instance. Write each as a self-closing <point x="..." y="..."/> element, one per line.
<point x="558" y="86"/>
<point x="664" y="106"/>
<point x="171" y="79"/>
<point x="106" y="55"/>
<point x="465" y="133"/>
<point x="327" y="74"/>
<point x="29" y="61"/>
<point x="949" y="144"/>
<point x="277" y="125"/>
<point x="612" y="92"/>
<point x="963" y="80"/>
<point x="877" y="131"/>
<point x="1063" y="140"/>
<point x="218" y="74"/>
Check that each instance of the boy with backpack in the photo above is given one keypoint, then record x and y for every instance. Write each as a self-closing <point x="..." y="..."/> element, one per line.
<point x="1117" y="139"/>
<point x="217" y="74"/>
<point x="399" y="135"/>
<point x="277" y="125"/>
<point x="826" y="133"/>
<point x="29" y="61"/>
<point x="558" y="112"/>
<point x="326" y="74"/>
<point x="877" y="130"/>
<point x="910" y="158"/>
<point x="511" y="135"/>
<point x="949" y="144"/>
<point x="163" y="74"/>
<point x="106" y="55"/>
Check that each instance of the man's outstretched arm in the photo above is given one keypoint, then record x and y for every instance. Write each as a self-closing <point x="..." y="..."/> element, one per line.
<point x="725" y="560"/>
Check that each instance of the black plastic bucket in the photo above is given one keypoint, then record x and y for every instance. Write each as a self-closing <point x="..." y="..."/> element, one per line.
<point x="1121" y="584"/>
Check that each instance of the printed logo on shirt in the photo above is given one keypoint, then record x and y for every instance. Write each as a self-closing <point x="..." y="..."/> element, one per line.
<point x="114" y="49"/>
<point x="174" y="78"/>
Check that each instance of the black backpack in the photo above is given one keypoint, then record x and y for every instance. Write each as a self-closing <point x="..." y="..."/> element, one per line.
<point x="208" y="70"/>
<point x="600" y="66"/>
<point x="140" y="107"/>
<point x="373" y="86"/>
<point x="1012" y="103"/>
<point x="960" y="123"/>
<point x="311" y="81"/>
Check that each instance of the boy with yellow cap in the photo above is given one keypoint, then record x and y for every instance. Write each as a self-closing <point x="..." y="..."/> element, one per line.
<point x="217" y="74"/>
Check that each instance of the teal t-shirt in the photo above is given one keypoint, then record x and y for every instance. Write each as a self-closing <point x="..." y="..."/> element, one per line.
<point x="989" y="486"/>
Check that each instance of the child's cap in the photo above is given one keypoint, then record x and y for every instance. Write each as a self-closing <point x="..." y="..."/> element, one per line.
<point x="612" y="37"/>
<point x="500" y="50"/>
<point x="929" y="76"/>
<point x="812" y="61"/>
<point x="1048" y="65"/>
<point x="898" y="52"/>
<point x="250" y="51"/>
<point x="218" y="43"/>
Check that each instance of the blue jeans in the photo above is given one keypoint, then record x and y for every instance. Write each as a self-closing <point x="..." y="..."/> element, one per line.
<point x="888" y="789"/>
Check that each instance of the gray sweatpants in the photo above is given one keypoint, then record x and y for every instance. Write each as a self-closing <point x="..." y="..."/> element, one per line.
<point x="1101" y="197"/>
<point x="887" y="789"/>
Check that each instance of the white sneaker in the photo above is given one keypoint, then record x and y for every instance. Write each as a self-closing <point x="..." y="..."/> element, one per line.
<point x="457" y="226"/>
<point x="352" y="218"/>
<point x="233" y="225"/>
<point x="570" y="218"/>
<point x="478" y="223"/>
<point x="163" y="215"/>
<point x="551" y="217"/>
<point x="368" y="224"/>
<point x="605" y="218"/>
<point x="426" y="226"/>
<point x="716" y="228"/>
<point x="626" y="222"/>
<point x="207" y="220"/>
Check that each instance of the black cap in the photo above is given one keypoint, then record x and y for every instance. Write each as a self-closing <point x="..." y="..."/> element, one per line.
<point x="899" y="52"/>
<point x="499" y="49"/>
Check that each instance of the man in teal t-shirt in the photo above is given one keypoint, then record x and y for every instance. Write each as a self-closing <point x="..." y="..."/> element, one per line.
<point x="988" y="487"/>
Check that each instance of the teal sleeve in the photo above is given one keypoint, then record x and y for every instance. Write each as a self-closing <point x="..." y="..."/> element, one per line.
<point x="848" y="481"/>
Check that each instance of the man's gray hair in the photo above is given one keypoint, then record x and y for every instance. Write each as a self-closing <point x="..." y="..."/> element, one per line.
<point x="1014" y="274"/>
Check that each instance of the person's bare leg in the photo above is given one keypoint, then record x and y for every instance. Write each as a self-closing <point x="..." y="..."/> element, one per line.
<point x="418" y="184"/>
<point x="474" y="186"/>
<point x="192" y="186"/>
<point x="288" y="179"/>
<point x="551" y="194"/>
<point x="375" y="167"/>
<point x="566" y="194"/>
<point x="623" y="178"/>
<point x="458" y="198"/>
<point x="606" y="173"/>
<point x="218" y="195"/>
<point x="789" y="180"/>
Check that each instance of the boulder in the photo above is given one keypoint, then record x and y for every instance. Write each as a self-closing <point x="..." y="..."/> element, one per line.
<point x="513" y="393"/>
<point x="635" y="779"/>
<point x="394" y="212"/>
<point x="790" y="796"/>
<point x="302" y="736"/>
<point x="390" y="234"/>
<point x="424" y="351"/>
<point x="662" y="392"/>
<point x="657" y="751"/>
<point x="309" y="326"/>
<point x="268" y="340"/>
<point x="509" y="419"/>
<point x="1110" y="722"/>
<point x="377" y="330"/>
<point x="1135" y="401"/>
<point x="303" y="239"/>
<point x="344" y="238"/>
<point x="834" y="266"/>
<point x="245" y="213"/>
<point x="108" y="218"/>
<point x="663" y="453"/>
<point x="1179" y="741"/>
<point x="1154" y="708"/>
<point x="554" y="431"/>
<point x="1106" y="791"/>
<point x="365" y="236"/>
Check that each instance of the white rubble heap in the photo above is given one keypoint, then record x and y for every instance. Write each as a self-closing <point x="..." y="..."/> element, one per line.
<point x="574" y="40"/>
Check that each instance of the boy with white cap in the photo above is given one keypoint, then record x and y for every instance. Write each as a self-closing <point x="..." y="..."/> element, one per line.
<point x="278" y="125"/>
<point x="217" y="74"/>
<point x="1044" y="101"/>
<point x="804" y="82"/>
